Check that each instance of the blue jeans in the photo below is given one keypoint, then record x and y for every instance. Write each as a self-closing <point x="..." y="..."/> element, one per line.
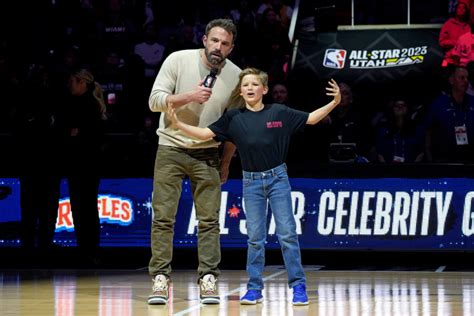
<point x="259" y="188"/>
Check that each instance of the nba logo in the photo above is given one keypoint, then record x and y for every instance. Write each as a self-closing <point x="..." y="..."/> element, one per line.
<point x="334" y="58"/>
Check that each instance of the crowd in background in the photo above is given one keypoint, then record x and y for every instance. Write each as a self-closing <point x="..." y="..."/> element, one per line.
<point x="123" y="43"/>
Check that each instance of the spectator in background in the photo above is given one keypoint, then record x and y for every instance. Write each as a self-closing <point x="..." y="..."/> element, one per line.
<point x="264" y="5"/>
<point x="38" y="149"/>
<point x="398" y="141"/>
<point x="183" y="38"/>
<point x="186" y="37"/>
<point x="122" y="79"/>
<point x="451" y="30"/>
<point x="246" y="20"/>
<point x="111" y="75"/>
<point x="463" y="52"/>
<point x="67" y="60"/>
<point x="470" y="5"/>
<point x="345" y="127"/>
<point x="241" y="10"/>
<point x="279" y="93"/>
<point x="452" y="6"/>
<point x="449" y="123"/>
<point x="151" y="53"/>
<point x="273" y="45"/>
<point x="115" y="28"/>
<point x="81" y="123"/>
<point x="470" y="74"/>
<point x="284" y="12"/>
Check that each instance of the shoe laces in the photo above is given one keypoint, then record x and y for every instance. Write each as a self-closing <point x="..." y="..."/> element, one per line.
<point x="208" y="284"/>
<point x="160" y="284"/>
<point x="252" y="293"/>
<point x="299" y="289"/>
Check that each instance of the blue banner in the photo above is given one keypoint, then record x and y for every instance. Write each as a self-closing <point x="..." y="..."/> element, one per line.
<point x="382" y="214"/>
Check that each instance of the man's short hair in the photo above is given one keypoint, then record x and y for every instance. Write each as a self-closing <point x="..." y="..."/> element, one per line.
<point x="226" y="24"/>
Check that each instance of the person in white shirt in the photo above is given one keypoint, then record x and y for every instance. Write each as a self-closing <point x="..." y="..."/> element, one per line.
<point x="150" y="51"/>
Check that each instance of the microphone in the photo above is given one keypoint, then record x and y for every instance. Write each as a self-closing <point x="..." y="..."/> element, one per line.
<point x="210" y="78"/>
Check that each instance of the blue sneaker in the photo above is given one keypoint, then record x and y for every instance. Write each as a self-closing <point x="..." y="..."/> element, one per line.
<point x="252" y="297"/>
<point x="299" y="295"/>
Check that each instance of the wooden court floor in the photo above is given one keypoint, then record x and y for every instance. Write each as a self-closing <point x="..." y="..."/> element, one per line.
<point x="124" y="292"/>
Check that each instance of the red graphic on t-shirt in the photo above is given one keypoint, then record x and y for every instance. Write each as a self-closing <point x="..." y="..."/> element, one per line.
<point x="275" y="124"/>
<point x="234" y="211"/>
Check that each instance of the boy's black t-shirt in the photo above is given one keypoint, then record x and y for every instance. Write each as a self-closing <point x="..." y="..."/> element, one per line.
<point x="262" y="138"/>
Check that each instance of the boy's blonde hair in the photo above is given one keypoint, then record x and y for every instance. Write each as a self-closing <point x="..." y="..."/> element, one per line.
<point x="236" y="100"/>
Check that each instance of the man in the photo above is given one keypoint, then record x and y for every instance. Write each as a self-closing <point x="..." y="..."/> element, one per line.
<point x="180" y="84"/>
<point x="280" y="93"/>
<point x="449" y="123"/>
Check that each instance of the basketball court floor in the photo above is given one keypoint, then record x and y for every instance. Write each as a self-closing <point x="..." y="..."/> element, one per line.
<point x="331" y="292"/>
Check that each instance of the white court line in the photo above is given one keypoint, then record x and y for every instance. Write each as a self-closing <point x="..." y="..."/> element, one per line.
<point x="440" y="269"/>
<point x="186" y="311"/>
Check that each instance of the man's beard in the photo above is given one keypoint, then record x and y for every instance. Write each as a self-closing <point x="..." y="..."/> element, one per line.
<point x="216" y="58"/>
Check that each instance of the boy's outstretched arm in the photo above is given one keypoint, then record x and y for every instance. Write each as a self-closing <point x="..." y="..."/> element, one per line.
<point x="195" y="131"/>
<point x="317" y="115"/>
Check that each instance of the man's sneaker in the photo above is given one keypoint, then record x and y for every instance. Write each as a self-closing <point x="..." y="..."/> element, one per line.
<point x="160" y="290"/>
<point x="208" y="290"/>
<point x="252" y="297"/>
<point x="299" y="295"/>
